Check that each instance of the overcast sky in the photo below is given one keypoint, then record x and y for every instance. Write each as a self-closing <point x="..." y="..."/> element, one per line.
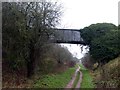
<point x="81" y="13"/>
<point x="76" y="50"/>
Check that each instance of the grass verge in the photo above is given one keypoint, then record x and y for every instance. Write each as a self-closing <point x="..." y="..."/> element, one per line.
<point x="55" y="80"/>
<point x="87" y="80"/>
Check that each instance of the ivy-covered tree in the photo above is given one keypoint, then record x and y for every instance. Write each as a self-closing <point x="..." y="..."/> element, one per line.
<point x="103" y="40"/>
<point x="106" y="47"/>
<point x="95" y="31"/>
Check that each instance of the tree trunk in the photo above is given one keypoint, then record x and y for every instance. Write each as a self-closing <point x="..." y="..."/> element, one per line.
<point x="31" y="61"/>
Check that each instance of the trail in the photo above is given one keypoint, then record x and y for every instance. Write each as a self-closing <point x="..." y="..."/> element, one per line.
<point x="80" y="80"/>
<point x="70" y="84"/>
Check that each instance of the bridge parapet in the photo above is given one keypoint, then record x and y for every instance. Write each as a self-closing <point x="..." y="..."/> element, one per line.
<point x="67" y="36"/>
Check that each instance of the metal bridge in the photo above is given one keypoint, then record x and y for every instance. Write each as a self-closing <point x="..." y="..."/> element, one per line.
<point x="71" y="36"/>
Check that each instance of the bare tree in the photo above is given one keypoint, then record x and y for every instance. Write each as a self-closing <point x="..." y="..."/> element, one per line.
<point x="34" y="23"/>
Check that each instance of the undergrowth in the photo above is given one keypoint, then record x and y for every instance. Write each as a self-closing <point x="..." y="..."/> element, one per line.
<point x="108" y="76"/>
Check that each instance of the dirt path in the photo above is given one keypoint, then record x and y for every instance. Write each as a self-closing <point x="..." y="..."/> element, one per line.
<point x="79" y="81"/>
<point x="70" y="84"/>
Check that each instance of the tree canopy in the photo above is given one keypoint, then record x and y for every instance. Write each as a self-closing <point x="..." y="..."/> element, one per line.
<point x="103" y="40"/>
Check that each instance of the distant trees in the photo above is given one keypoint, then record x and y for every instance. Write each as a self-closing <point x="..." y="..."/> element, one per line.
<point x="54" y="57"/>
<point x="86" y="61"/>
<point x="26" y="28"/>
<point x="103" y="40"/>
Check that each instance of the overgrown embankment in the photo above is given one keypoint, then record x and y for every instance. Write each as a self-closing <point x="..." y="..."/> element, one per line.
<point x="50" y="72"/>
<point x="108" y="76"/>
<point x="104" y="45"/>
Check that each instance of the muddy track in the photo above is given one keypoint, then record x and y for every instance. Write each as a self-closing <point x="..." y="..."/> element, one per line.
<point x="80" y="80"/>
<point x="70" y="84"/>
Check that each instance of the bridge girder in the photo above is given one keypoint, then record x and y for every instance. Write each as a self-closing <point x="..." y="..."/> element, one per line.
<point x="62" y="36"/>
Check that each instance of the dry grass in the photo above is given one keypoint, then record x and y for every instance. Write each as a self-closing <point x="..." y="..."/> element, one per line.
<point x="108" y="76"/>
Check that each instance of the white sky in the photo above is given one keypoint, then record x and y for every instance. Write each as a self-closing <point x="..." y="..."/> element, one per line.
<point x="81" y="13"/>
<point x="75" y="50"/>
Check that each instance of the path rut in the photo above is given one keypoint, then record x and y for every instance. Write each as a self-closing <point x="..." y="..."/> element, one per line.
<point x="70" y="84"/>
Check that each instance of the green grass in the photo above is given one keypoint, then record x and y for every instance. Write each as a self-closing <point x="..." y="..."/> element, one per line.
<point x="55" y="80"/>
<point x="82" y="67"/>
<point x="87" y="81"/>
<point x="76" y="80"/>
